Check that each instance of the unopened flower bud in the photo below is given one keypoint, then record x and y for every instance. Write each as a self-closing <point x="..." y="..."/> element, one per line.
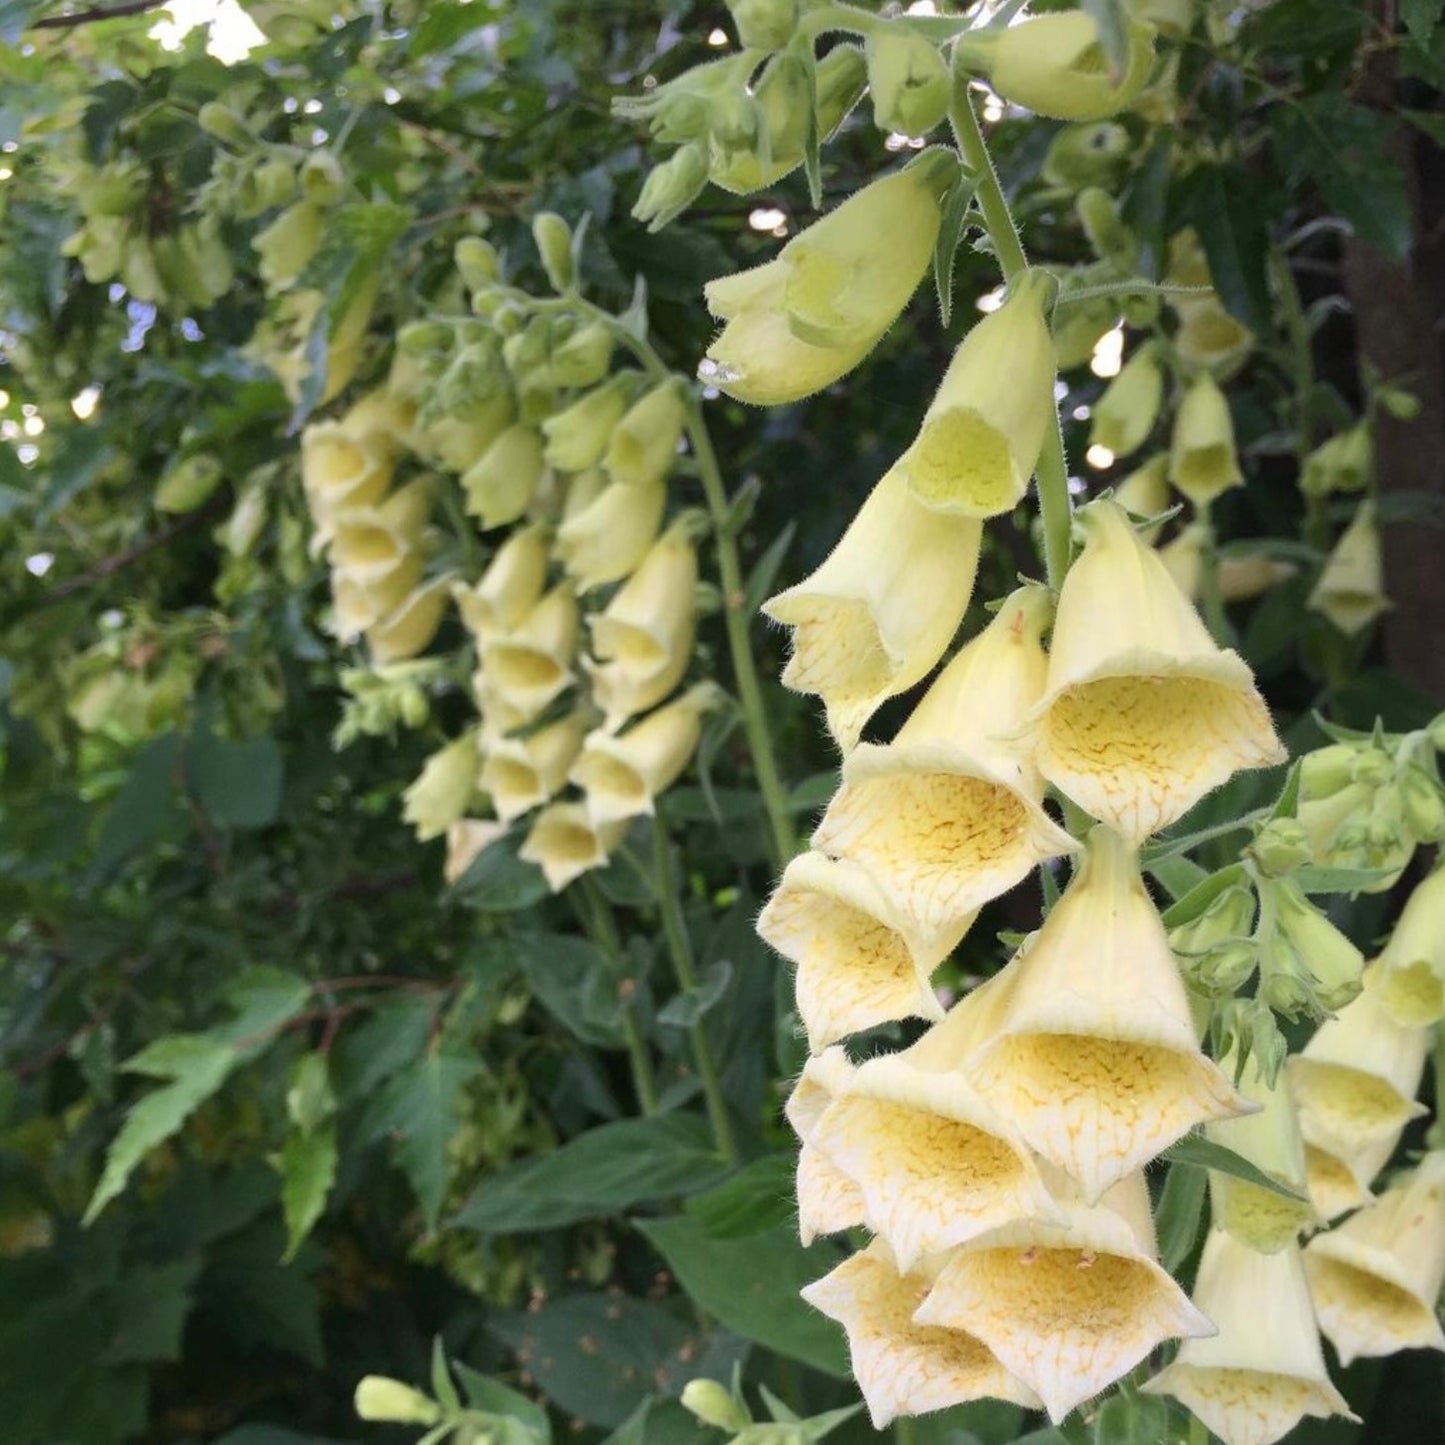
<point x="554" y="244"/>
<point x="1284" y="980"/>
<point x="583" y="358"/>
<point x="1203" y="461"/>
<point x="478" y="262"/>
<point x="1341" y="464"/>
<point x="1085" y="155"/>
<point x="764" y="24"/>
<point x="382" y="1399"/>
<point x="1371" y="766"/>
<point x="909" y="81"/>
<point x="425" y="338"/>
<point x="714" y="1405"/>
<point x="1229" y="917"/>
<point x="1099" y="215"/>
<point x="786" y="101"/>
<point x="1280" y="847"/>
<point x="841" y="78"/>
<point x="1422" y="798"/>
<point x="288" y="243"/>
<point x="735" y="121"/>
<point x="577" y="437"/>
<point x="263" y="187"/>
<point x="1125" y="414"/>
<point x="188" y="483"/>
<point x="1222" y="970"/>
<point x="1078" y="325"/>
<point x="219" y="120"/>
<point x="1327" y="770"/>
<point x="322" y="178"/>
<point x="1334" y="964"/>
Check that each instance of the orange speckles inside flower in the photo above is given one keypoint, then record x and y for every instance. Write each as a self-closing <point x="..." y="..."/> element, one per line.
<point x="1244" y="1407"/>
<point x="1364" y="1313"/>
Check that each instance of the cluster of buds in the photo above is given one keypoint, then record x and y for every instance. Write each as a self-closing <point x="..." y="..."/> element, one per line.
<point x="582" y="619"/>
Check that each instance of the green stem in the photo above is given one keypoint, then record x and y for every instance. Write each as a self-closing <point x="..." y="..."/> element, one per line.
<point x="903" y="1431"/>
<point x="1211" y="597"/>
<point x="1302" y="369"/>
<point x="1198" y="1431"/>
<point x="1053" y="467"/>
<point x="596" y="915"/>
<point x="679" y="947"/>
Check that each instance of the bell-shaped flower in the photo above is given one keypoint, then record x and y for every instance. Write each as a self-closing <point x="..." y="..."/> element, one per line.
<point x="467" y="840"/>
<point x="1376" y="1278"/>
<point x="828" y="1200"/>
<point x="1068" y="1309"/>
<point x="985" y="427"/>
<point x="902" y="1366"/>
<point x="509" y="589"/>
<point x="622" y="774"/>
<point x="643" y="445"/>
<point x="1145" y="493"/>
<point x="798" y="323"/>
<point x="859" y="964"/>
<point x="376" y="536"/>
<point x="363" y="597"/>
<point x="908" y="81"/>
<point x="458" y="443"/>
<point x="1341" y="464"/>
<point x="1183" y="558"/>
<point x="1340" y="1182"/>
<point x="947" y="815"/>
<point x="577" y="437"/>
<point x="341" y="471"/>
<point x="532" y="663"/>
<point x="607" y="539"/>
<point x="500" y="485"/>
<point x="1203" y="460"/>
<point x="1143" y="714"/>
<point x="1351" y="587"/>
<point x="408" y="630"/>
<point x="1125" y="414"/>
<point x="564" y="843"/>
<point x="643" y="637"/>
<point x="876" y="617"/>
<point x="444" y="789"/>
<point x="1412" y="966"/>
<point x="1210" y="339"/>
<point x="1253" y="1381"/>
<point x="1055" y="65"/>
<point x="1271" y="1141"/>
<point x="519" y="773"/>
<point x="1095" y="1060"/>
<point x="1355" y="1081"/>
<point x="935" y="1164"/>
<point x="582" y="359"/>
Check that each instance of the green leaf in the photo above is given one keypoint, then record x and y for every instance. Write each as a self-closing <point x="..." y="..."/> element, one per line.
<point x="687" y="1008"/>
<point x="661" y="1422"/>
<point x="307" y="1165"/>
<point x="1176" y="875"/>
<point x="765" y="571"/>
<point x="417" y="1110"/>
<point x="1348" y="151"/>
<point x="148" y="807"/>
<point x="574" y="982"/>
<point x="956" y="207"/>
<point x="309" y="1100"/>
<point x="1421" y="17"/>
<point x="1201" y="1153"/>
<point x="393" y="1037"/>
<point x="157" y="1300"/>
<point x="752" y="1286"/>
<point x="604" y="1171"/>
<point x="1181" y="1205"/>
<point x="1224" y="206"/>
<point x="1431" y="122"/>
<point x="500" y="882"/>
<point x="442" y="1388"/>
<point x="238" y="784"/>
<point x="1193" y="904"/>
<point x="758" y="1197"/>
<point x="484" y="1393"/>
<point x="1110" y="17"/>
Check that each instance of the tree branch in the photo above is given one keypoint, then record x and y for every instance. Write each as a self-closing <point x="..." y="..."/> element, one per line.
<point x="108" y="566"/>
<point x="90" y="17"/>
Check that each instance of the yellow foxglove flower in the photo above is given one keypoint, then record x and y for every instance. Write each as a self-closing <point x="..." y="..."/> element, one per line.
<point x="1145" y="493"/>
<point x="947" y="815"/>
<point x="467" y="839"/>
<point x="1203" y="461"/>
<point x="1355" y="1081"/>
<point x="643" y="638"/>
<point x="936" y="1166"/>
<point x="1125" y="414"/>
<point x="606" y="540"/>
<point x="1068" y="1309"/>
<point x="858" y="963"/>
<point x="983" y="431"/>
<point x="1254" y="1380"/>
<point x="583" y="358"/>
<point x="1055" y="66"/>
<point x="1183" y="559"/>
<point x="582" y="490"/>
<point x="1210" y="339"/>
<point x="509" y="589"/>
<point x="1412" y="967"/>
<point x="444" y="789"/>
<point x="364" y="597"/>
<point x="458" y="442"/>
<point x="383" y="417"/>
<point x="288" y="243"/>
<point x="1341" y="1182"/>
<point x="380" y="534"/>
<point x="501" y="484"/>
<point x="1143" y="714"/>
<point x="876" y="617"/>
<point x="1351" y="588"/>
<point x="340" y="472"/>
<point x="902" y="1366"/>
<point x="520" y="773"/>
<point x="407" y="631"/>
<point x="564" y="843"/>
<point x="1330" y="964"/>
<point x="1272" y="1142"/>
<point x="1341" y="464"/>
<point x="577" y="437"/>
<point x="1376" y="1277"/>
<point x="623" y="773"/>
<point x="1241" y="578"/>
<point x="798" y="323"/>
<point x="643" y="445"/>
<point x="532" y="663"/>
<point x="1095" y="1060"/>
<point x="908" y="80"/>
<point x="828" y="1200"/>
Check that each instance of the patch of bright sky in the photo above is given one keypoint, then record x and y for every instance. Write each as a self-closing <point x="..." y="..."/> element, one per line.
<point x="233" y="33"/>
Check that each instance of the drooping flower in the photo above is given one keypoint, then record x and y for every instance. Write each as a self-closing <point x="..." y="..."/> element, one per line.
<point x="1209" y="338"/>
<point x="1263" y="1371"/>
<point x="1143" y="714"/>
<point x="1412" y="966"/>
<point x="876" y="617"/>
<point x="828" y="1200"/>
<point x="948" y="815"/>
<point x="606" y="540"/>
<point x="577" y="437"/>
<point x="519" y="773"/>
<point x="908" y="81"/>
<point x="798" y="323"/>
<point x="984" y="429"/>
<point x="340" y="471"/>
<point x="1351" y="588"/>
<point x="444" y="789"/>
<point x="404" y="633"/>
<point x="1203" y="461"/>
<point x="467" y="839"/>
<point x="362" y="596"/>
<point x="904" y="1367"/>
<point x="532" y="663"/>
<point x="509" y="589"/>
<point x="1125" y="414"/>
<point x="1340" y="1182"/>
<point x="643" y="444"/>
<point x="564" y="843"/>
<point x="1094" y="1059"/>
<point x="1376" y="1277"/>
<point x="500" y="484"/>
<point x="859" y="964"/>
<point x="1067" y="1309"/>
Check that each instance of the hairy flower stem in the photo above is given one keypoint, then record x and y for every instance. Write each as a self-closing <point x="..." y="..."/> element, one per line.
<point x="1214" y="615"/>
<point x="1053" y="468"/>
<point x="679" y="948"/>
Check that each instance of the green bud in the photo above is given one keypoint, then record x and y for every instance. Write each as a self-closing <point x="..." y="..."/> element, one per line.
<point x="1280" y="847"/>
<point x="265" y="187"/>
<point x="1327" y="770"/>
<point x="220" y="121"/>
<point x="841" y="79"/>
<point x="288" y="243"/>
<point x="1398" y="403"/>
<point x="1341" y="464"/>
<point x="1078" y="325"/>
<point x="1424" y="805"/>
<point x="383" y="1399"/>
<point x="1372" y="767"/>
<point x="322" y="178"/>
<point x="1228" y="918"/>
<point x="584" y="357"/>
<point x="554" y="244"/>
<point x="478" y="262"/>
<point x="425" y="338"/>
<point x="187" y="484"/>
<point x="909" y="81"/>
<point x="1089" y="154"/>
<point x="764" y="24"/>
<point x="1110" y="238"/>
<point x="1334" y="965"/>
<point x="412" y="707"/>
<point x="672" y="187"/>
<point x="714" y="1405"/>
<point x="786" y="100"/>
<point x="1285" y="984"/>
<point x="1222" y="970"/>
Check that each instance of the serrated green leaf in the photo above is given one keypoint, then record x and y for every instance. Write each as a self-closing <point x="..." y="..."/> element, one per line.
<point x="1200" y="1153"/>
<point x="309" y="1100"/>
<point x="307" y="1165"/>
<point x="157" y="1303"/>
<point x="574" y="981"/>
<point x="604" y="1171"/>
<point x="1231" y="219"/>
